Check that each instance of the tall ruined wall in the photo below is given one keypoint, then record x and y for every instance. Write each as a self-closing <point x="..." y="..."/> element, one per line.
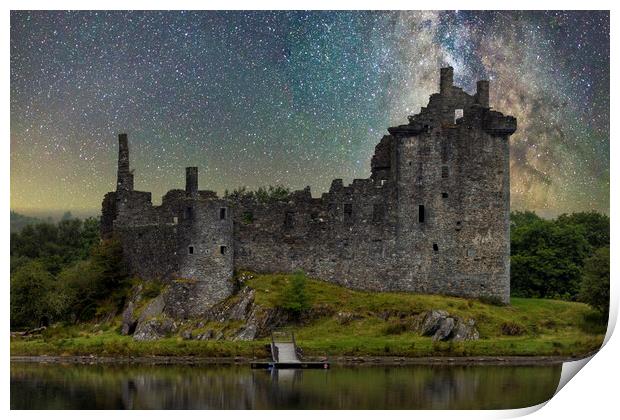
<point x="433" y="216"/>
<point x="343" y="237"/>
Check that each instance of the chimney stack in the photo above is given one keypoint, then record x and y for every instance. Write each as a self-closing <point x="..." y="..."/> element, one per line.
<point x="446" y="80"/>
<point x="191" y="180"/>
<point x="482" y="93"/>
<point x="124" y="177"/>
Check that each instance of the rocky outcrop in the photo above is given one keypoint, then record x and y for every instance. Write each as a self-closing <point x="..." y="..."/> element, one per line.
<point x="442" y="326"/>
<point x="155" y="328"/>
<point x="166" y="314"/>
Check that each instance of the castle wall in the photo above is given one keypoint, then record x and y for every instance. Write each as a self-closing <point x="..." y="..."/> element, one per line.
<point x="433" y="216"/>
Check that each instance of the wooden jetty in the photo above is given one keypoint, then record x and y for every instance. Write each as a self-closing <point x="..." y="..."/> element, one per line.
<point x="285" y="354"/>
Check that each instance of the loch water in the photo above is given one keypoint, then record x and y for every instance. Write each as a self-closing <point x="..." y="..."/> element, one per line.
<point x="131" y="386"/>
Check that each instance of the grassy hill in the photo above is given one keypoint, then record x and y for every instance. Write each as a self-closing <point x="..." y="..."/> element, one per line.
<point x="346" y="322"/>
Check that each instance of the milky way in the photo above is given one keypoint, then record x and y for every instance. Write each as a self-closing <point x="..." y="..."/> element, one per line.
<point x="295" y="98"/>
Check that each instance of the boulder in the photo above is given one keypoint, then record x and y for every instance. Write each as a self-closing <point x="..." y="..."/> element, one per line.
<point x="444" y="329"/>
<point x="465" y="330"/>
<point x="431" y="321"/>
<point x="128" y="324"/>
<point x="442" y="326"/>
<point x="153" y="329"/>
<point x="154" y="308"/>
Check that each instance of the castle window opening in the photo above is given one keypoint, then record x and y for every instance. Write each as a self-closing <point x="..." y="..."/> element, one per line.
<point x="348" y="212"/>
<point x="435" y="248"/>
<point x="377" y="212"/>
<point x="222" y="213"/>
<point x="175" y="220"/>
<point x="458" y="113"/>
<point x="289" y="218"/>
<point x="444" y="171"/>
<point x="190" y="250"/>
<point x="189" y="213"/>
<point x="223" y="249"/>
<point x="421" y="213"/>
<point x="444" y="195"/>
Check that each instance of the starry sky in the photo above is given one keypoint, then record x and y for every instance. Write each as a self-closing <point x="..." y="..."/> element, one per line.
<point x="294" y="98"/>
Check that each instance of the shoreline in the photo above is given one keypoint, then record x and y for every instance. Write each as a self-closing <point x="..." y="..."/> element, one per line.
<point x="336" y="361"/>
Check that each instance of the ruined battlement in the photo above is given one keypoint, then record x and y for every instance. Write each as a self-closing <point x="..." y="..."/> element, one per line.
<point x="433" y="217"/>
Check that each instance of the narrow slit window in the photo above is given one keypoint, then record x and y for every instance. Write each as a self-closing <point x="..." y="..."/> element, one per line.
<point x="435" y="248"/>
<point x="190" y="250"/>
<point x="223" y="249"/>
<point x="444" y="195"/>
<point x="421" y="213"/>
<point x="223" y="213"/>
<point x="189" y="213"/>
<point x="458" y="113"/>
<point x="377" y="213"/>
<point x="348" y="212"/>
<point x="289" y="219"/>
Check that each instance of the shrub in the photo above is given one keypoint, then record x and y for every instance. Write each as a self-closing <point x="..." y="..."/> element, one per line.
<point x="512" y="329"/>
<point x="294" y="298"/>
<point x="395" y="328"/>
<point x="595" y="281"/>
<point x="35" y="296"/>
<point x="491" y="300"/>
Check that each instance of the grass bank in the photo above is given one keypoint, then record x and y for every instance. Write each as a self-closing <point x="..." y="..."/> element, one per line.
<point x="356" y="323"/>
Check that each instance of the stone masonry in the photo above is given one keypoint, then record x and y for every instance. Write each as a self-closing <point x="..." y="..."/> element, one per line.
<point x="433" y="217"/>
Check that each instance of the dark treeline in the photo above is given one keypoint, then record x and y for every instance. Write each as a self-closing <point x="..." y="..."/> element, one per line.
<point x="563" y="258"/>
<point x="63" y="272"/>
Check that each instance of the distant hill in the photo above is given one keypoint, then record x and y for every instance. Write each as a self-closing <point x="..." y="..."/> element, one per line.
<point x="19" y="221"/>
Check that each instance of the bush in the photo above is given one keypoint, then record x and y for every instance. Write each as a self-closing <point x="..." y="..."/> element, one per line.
<point x="547" y="256"/>
<point x="595" y="282"/>
<point x="395" y="328"/>
<point x="491" y="300"/>
<point x="294" y="298"/>
<point x="512" y="329"/>
<point x="35" y="297"/>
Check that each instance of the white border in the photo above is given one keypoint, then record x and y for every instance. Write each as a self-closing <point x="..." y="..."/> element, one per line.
<point x="592" y="395"/>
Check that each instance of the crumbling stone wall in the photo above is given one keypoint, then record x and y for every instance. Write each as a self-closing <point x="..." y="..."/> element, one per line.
<point x="433" y="216"/>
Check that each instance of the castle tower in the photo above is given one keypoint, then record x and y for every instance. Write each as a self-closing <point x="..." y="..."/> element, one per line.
<point x="453" y="180"/>
<point x="124" y="177"/>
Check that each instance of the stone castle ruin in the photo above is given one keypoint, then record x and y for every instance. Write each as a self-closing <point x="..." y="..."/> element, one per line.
<point x="433" y="217"/>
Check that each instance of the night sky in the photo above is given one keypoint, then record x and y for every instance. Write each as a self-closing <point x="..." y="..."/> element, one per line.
<point x="294" y="98"/>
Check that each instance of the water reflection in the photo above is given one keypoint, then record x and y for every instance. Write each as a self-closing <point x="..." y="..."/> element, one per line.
<point x="54" y="386"/>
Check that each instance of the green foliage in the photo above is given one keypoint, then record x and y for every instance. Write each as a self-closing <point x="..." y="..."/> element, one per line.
<point x="247" y="218"/>
<point x="90" y="283"/>
<point x="19" y="221"/>
<point x="294" y="298"/>
<point x="35" y="296"/>
<point x="268" y="194"/>
<point x="547" y="256"/>
<point x="595" y="225"/>
<point x="152" y="289"/>
<point x="54" y="245"/>
<point x="396" y="327"/>
<point x="491" y="300"/>
<point x="595" y="283"/>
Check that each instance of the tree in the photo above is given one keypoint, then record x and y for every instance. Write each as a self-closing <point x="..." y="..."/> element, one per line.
<point x="595" y="282"/>
<point x="546" y="257"/>
<point x="102" y="277"/>
<point x="294" y="298"/>
<point x="35" y="296"/>
<point x="595" y="226"/>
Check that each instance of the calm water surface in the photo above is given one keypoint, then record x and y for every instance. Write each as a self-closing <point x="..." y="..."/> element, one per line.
<point x="58" y="386"/>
